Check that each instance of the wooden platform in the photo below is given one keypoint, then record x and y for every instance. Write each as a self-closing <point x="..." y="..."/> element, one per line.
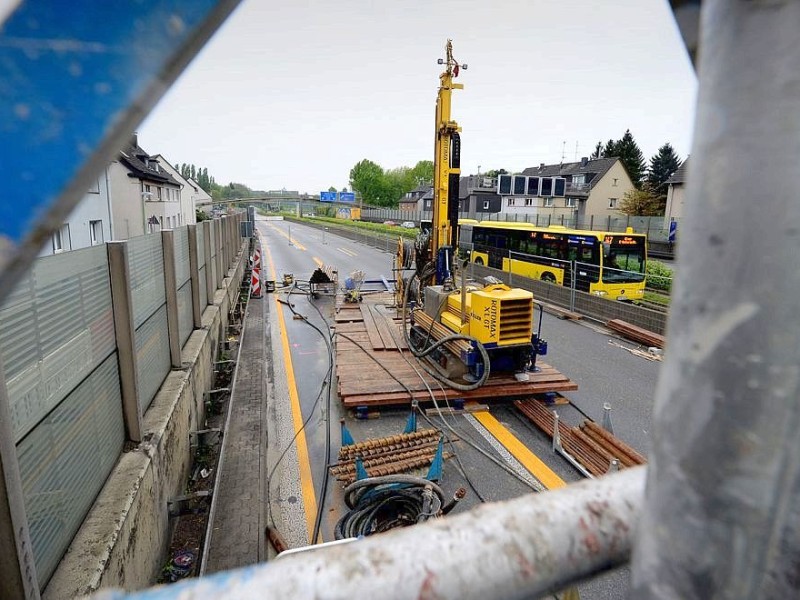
<point x="368" y="335"/>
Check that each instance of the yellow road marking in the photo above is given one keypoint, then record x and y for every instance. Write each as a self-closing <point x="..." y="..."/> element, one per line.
<point x="519" y="451"/>
<point x="286" y="235"/>
<point x="316" y="260"/>
<point x="304" y="463"/>
<point x="346" y="251"/>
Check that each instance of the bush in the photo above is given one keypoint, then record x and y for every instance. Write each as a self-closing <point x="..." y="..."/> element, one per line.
<point x="659" y="276"/>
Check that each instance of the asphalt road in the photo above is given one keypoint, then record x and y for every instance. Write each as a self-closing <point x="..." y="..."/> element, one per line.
<point x="590" y="355"/>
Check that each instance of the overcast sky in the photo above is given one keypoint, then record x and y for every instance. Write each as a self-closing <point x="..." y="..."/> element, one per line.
<point x="292" y="94"/>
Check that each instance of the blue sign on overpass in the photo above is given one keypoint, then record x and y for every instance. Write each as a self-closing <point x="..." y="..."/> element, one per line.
<point x="347" y="197"/>
<point x="327" y="196"/>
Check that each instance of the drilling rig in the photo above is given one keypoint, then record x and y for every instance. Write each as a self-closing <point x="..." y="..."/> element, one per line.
<point x="463" y="330"/>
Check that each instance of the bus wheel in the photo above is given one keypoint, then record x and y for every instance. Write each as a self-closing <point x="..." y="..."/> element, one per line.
<point x="548" y="277"/>
<point x="479" y="261"/>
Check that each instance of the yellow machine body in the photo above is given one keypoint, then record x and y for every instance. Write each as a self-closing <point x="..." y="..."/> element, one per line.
<point x="497" y="315"/>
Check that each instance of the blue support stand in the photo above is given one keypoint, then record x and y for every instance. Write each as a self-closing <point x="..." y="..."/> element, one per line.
<point x="435" y="470"/>
<point x="411" y="422"/>
<point x="347" y="438"/>
<point x="361" y="472"/>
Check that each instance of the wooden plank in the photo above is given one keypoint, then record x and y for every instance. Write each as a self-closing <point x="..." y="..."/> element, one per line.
<point x="363" y="383"/>
<point x="479" y="394"/>
<point x="387" y="328"/>
<point x="635" y="333"/>
<point x="372" y="329"/>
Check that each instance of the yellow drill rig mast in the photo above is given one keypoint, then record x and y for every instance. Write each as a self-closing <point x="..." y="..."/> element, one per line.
<point x="468" y="332"/>
<point x="446" y="172"/>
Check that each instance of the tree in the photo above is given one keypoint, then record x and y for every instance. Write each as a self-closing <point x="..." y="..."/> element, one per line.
<point x="192" y="173"/>
<point x="332" y="189"/>
<point x="641" y="203"/>
<point x="366" y="177"/>
<point x="496" y="172"/>
<point x="662" y="165"/>
<point x="422" y="172"/>
<point x="630" y="154"/>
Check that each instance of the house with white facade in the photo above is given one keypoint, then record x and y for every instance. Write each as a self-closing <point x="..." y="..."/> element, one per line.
<point x="145" y="197"/>
<point x="89" y="223"/>
<point x="676" y="194"/>
<point x="190" y="193"/>
<point x="593" y="190"/>
<point x="199" y="196"/>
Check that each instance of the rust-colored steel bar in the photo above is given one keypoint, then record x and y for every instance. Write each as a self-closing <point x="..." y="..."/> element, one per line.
<point x="616" y="442"/>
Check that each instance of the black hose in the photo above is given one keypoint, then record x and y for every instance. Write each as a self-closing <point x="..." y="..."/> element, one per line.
<point x="422" y="353"/>
<point x="378" y="504"/>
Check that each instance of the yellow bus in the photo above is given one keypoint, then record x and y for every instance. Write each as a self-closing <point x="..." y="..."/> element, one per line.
<point x="606" y="263"/>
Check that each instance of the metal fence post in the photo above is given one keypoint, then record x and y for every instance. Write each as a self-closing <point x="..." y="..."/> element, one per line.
<point x="194" y="274"/>
<point x="122" y="305"/>
<point x="210" y="267"/>
<point x="573" y="284"/>
<point x="171" y="289"/>
<point x="17" y="568"/>
<point x="722" y="512"/>
<point x="217" y="230"/>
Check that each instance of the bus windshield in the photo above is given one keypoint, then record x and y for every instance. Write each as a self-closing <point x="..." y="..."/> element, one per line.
<point x="623" y="259"/>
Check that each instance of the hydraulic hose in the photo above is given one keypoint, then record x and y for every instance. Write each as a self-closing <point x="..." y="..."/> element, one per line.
<point x="378" y="504"/>
<point x="422" y="353"/>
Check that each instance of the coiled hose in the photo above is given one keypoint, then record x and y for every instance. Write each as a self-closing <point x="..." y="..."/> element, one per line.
<point x="424" y="352"/>
<point x="378" y="504"/>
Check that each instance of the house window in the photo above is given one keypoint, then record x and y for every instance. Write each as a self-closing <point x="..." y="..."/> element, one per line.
<point x="528" y="201"/>
<point x="612" y="203"/>
<point x="95" y="187"/>
<point x="548" y="202"/>
<point x="158" y="193"/>
<point x="96" y="232"/>
<point x="570" y="203"/>
<point x="485" y="205"/>
<point x="511" y="201"/>
<point x="61" y="239"/>
<point x="615" y="182"/>
<point x="147" y="193"/>
<point x="578" y="179"/>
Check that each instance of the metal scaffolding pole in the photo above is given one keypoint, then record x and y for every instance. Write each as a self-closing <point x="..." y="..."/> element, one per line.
<point x="722" y="514"/>
<point x="515" y="549"/>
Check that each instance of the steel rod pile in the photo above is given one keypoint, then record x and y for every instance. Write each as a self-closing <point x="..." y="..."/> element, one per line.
<point x="388" y="455"/>
<point x="591" y="445"/>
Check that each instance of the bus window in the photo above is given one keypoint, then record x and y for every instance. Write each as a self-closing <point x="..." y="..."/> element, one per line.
<point x="623" y="263"/>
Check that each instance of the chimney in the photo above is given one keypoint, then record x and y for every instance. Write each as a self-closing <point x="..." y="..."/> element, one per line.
<point x="135" y="139"/>
<point x="541" y="166"/>
<point x="584" y="160"/>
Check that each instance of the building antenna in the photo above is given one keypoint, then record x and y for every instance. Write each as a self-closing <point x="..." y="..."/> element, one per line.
<point x="576" y="150"/>
<point x="563" y="151"/>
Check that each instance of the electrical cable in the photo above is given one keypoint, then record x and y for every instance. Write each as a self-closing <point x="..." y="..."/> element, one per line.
<point x="422" y="353"/>
<point x="378" y="504"/>
<point x="441" y="414"/>
<point x="497" y="461"/>
<point x="325" y="478"/>
<point x="326" y="382"/>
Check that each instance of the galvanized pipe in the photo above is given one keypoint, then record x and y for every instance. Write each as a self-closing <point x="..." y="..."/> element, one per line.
<point x="722" y="518"/>
<point x="516" y="549"/>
